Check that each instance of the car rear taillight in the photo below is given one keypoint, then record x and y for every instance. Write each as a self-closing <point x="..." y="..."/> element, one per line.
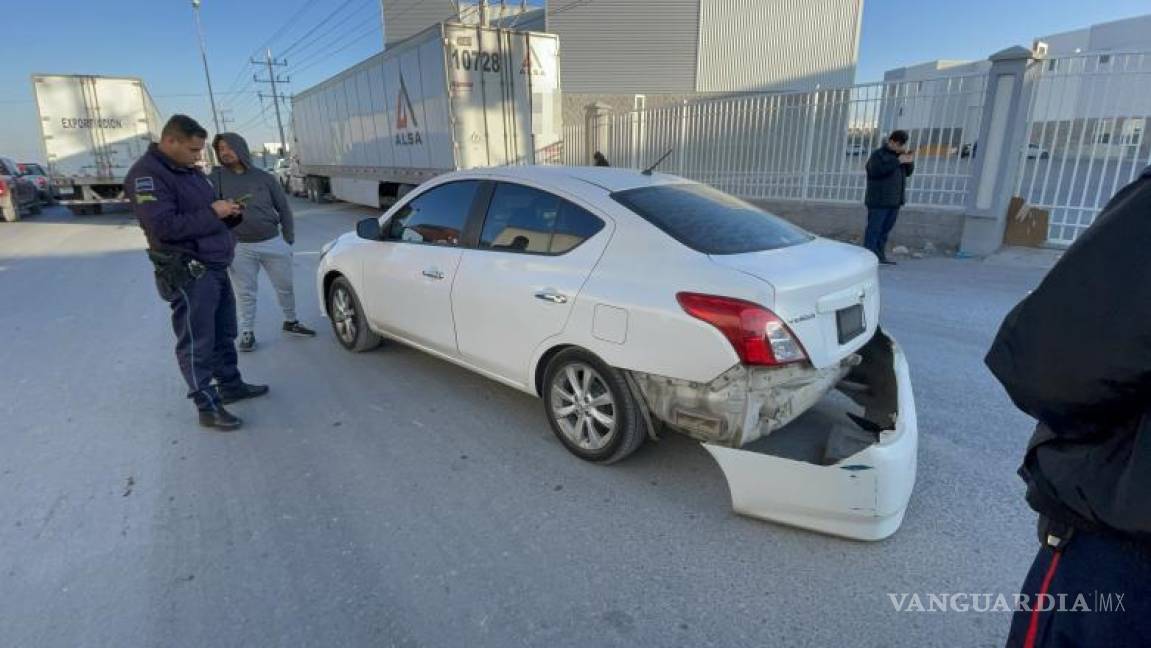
<point x="3" y="187"/>
<point x="757" y="334"/>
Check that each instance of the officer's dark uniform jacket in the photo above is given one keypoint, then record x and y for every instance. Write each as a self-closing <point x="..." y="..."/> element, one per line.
<point x="173" y="205"/>
<point x="1076" y="355"/>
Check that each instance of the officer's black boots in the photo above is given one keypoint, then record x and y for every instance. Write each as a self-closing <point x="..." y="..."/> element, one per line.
<point x="220" y="419"/>
<point x="241" y="392"/>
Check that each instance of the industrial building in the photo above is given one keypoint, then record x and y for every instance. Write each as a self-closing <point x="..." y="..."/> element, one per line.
<point x="1080" y="93"/>
<point x="670" y="50"/>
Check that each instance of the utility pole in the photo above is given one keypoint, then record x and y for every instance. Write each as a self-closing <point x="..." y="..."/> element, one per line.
<point x="225" y="119"/>
<point x="204" y="58"/>
<point x="273" y="79"/>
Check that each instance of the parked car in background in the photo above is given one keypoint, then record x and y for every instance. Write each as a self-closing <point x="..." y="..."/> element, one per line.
<point x="857" y="149"/>
<point x="1036" y="152"/>
<point x="18" y="195"/>
<point x="39" y="177"/>
<point x="280" y="170"/>
<point x="624" y="300"/>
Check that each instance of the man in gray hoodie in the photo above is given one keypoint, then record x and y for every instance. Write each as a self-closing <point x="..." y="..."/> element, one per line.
<point x="265" y="235"/>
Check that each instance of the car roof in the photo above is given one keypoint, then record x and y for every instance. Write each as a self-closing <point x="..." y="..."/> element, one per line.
<point x="610" y="179"/>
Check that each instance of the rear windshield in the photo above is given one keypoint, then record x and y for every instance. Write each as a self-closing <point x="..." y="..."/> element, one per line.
<point x="710" y="221"/>
<point x="33" y="169"/>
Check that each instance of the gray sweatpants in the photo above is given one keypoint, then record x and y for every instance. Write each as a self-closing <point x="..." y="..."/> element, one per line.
<point x="275" y="255"/>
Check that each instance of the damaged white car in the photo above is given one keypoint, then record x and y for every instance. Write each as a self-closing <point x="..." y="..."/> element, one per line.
<point x="637" y="302"/>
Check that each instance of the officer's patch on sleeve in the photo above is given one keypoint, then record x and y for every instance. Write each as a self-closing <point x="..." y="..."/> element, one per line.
<point x="145" y="183"/>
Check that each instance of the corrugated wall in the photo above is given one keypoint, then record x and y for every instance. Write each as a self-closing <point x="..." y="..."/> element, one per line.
<point x="752" y="45"/>
<point x="404" y="18"/>
<point x="627" y="46"/>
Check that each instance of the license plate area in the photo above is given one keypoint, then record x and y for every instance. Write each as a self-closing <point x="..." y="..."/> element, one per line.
<point x="849" y="323"/>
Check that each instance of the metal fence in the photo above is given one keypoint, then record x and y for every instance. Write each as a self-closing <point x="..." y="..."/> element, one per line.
<point x="801" y="146"/>
<point x="1087" y="121"/>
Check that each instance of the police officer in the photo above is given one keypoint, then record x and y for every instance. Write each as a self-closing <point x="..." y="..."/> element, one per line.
<point x="191" y="245"/>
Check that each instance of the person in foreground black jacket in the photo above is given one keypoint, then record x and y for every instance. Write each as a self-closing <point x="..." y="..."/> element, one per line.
<point x="1076" y="355"/>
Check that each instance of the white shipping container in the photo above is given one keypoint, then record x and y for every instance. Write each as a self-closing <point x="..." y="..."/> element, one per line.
<point x="452" y="97"/>
<point x="93" y="129"/>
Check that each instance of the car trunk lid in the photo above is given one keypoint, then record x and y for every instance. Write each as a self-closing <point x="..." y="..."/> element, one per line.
<point x="826" y="292"/>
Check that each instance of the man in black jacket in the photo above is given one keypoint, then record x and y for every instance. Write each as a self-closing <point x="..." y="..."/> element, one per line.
<point x="888" y="169"/>
<point x="1076" y="355"/>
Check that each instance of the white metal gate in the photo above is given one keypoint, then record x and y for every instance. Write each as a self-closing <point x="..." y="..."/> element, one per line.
<point x="805" y="145"/>
<point x="1087" y="120"/>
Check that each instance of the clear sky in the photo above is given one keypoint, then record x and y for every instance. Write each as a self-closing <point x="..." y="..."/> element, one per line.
<point x="156" y="40"/>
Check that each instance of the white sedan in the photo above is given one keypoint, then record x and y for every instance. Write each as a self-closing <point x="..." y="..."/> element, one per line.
<point x="633" y="302"/>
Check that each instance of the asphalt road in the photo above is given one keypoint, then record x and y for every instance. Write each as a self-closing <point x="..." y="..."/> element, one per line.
<point x="392" y="499"/>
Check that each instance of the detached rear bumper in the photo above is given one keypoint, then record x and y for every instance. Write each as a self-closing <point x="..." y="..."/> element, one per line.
<point x="829" y="472"/>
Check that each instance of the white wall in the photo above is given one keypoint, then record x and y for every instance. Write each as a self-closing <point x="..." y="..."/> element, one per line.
<point x="756" y="45"/>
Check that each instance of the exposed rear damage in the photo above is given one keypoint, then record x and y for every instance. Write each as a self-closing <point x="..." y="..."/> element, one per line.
<point x="744" y="404"/>
<point x="796" y="454"/>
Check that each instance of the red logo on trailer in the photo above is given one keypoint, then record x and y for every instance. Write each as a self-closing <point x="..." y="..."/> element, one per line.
<point x="529" y="65"/>
<point x="404" y="112"/>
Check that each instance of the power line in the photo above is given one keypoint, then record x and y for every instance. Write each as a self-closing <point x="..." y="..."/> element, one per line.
<point x="249" y="123"/>
<point x="191" y="94"/>
<point x="281" y="31"/>
<point x="360" y="37"/>
<point x="304" y="6"/>
<point x="248" y="104"/>
<point x="241" y="74"/>
<point x="239" y="78"/>
<point x="316" y="27"/>
<point x="306" y="62"/>
<point x="319" y="37"/>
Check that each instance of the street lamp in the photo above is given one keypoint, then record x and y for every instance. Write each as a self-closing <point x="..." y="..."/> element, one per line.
<point x="204" y="58"/>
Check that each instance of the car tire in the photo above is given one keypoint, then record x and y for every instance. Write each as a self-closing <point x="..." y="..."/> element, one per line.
<point x="36" y="208"/>
<point x="574" y="382"/>
<point x="348" y="322"/>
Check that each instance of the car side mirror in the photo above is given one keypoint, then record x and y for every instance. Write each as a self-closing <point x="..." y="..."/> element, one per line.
<point x="369" y="228"/>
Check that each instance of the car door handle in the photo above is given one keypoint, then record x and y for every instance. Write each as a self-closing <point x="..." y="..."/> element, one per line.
<point x="552" y="297"/>
<point x="433" y="274"/>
